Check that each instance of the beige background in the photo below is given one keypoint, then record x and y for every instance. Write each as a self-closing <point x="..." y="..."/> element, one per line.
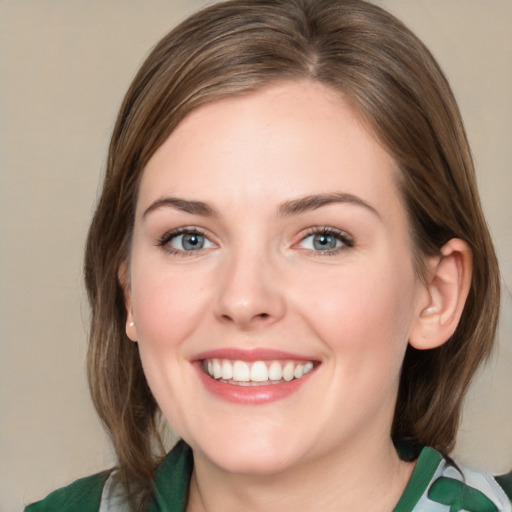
<point x="64" y="66"/>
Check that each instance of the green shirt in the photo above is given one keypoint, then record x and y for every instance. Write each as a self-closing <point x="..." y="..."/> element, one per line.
<point x="436" y="485"/>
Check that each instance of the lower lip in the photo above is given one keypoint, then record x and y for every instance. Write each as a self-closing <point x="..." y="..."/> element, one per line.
<point x="251" y="395"/>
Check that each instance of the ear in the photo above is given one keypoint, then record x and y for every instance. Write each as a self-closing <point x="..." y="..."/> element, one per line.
<point x="124" y="281"/>
<point x="444" y="296"/>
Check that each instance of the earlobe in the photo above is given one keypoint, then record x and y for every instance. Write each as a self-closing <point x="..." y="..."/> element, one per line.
<point x="124" y="281"/>
<point x="444" y="297"/>
<point x="131" y="330"/>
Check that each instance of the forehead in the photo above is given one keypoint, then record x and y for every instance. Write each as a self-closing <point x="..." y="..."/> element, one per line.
<point x="289" y="139"/>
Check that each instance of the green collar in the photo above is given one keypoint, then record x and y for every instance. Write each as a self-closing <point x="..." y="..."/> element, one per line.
<point x="426" y="465"/>
<point x="172" y="480"/>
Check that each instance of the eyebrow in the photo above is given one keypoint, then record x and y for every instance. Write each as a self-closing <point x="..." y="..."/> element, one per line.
<point x="312" y="202"/>
<point x="184" y="205"/>
<point x="288" y="208"/>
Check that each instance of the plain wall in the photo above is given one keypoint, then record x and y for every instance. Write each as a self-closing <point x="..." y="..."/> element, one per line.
<point x="64" y="67"/>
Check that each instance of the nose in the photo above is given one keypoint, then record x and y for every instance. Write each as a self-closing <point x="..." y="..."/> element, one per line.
<point x="249" y="293"/>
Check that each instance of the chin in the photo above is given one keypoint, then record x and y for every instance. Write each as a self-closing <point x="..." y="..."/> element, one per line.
<point x="254" y="462"/>
<point x="254" y="455"/>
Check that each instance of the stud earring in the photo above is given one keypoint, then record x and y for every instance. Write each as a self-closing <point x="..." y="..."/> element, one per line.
<point x="131" y="324"/>
<point x="431" y="310"/>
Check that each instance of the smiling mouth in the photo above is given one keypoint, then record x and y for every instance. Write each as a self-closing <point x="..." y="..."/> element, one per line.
<point x="256" y="373"/>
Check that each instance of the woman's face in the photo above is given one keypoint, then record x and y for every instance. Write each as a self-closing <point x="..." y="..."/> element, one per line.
<point x="272" y="288"/>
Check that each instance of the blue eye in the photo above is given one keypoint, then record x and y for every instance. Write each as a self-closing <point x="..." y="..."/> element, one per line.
<point x="185" y="241"/>
<point x="326" y="241"/>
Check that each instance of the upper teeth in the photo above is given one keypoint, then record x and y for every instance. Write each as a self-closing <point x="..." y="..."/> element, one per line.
<point x="258" y="371"/>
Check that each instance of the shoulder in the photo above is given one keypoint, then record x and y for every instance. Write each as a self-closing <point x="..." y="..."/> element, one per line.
<point x="454" y="487"/>
<point x="83" y="495"/>
<point x="170" y="485"/>
<point x="505" y="482"/>
<point x="101" y="492"/>
<point x="468" y="489"/>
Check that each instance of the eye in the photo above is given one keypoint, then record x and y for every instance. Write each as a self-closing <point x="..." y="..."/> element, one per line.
<point x="327" y="240"/>
<point x="185" y="240"/>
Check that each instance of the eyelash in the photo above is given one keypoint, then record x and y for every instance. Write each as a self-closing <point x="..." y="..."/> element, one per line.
<point x="346" y="240"/>
<point x="166" y="238"/>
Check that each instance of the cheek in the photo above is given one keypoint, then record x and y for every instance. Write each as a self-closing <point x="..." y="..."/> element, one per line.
<point x="366" y="310"/>
<point x="167" y="305"/>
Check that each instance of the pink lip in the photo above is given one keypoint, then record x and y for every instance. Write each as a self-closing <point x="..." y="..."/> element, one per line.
<point x="255" y="354"/>
<point x="250" y="395"/>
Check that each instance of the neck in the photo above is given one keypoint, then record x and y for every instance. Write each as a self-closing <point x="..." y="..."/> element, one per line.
<point x="368" y="477"/>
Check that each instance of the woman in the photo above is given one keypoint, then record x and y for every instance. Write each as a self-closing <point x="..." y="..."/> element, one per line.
<point x="288" y="260"/>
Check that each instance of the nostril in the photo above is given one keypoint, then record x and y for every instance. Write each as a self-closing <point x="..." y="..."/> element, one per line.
<point x="260" y="316"/>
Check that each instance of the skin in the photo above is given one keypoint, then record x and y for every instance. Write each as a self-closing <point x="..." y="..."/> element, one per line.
<point x="260" y="283"/>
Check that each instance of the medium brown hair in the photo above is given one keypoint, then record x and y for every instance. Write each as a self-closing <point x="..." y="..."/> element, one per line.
<point x="392" y="80"/>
